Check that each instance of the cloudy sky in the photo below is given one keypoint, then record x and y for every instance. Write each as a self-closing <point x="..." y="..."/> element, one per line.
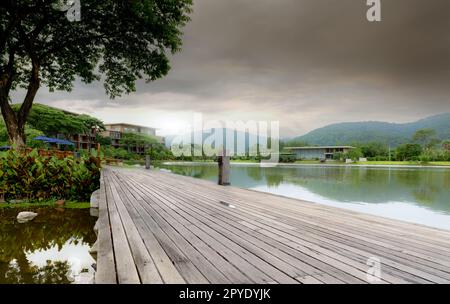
<point x="305" y="63"/>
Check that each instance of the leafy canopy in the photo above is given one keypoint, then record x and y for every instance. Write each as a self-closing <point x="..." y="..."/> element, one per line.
<point x="54" y="121"/>
<point x="124" y="40"/>
<point x="137" y="139"/>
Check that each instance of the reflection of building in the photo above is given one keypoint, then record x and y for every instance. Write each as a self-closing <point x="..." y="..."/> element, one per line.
<point x="325" y="152"/>
<point x="115" y="131"/>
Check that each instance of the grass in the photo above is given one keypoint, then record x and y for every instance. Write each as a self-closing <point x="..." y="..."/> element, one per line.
<point x="46" y="203"/>
<point x="404" y="163"/>
<point x="379" y="163"/>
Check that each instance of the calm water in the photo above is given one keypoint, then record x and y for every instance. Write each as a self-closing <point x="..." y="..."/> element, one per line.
<point x="416" y="195"/>
<point x="53" y="248"/>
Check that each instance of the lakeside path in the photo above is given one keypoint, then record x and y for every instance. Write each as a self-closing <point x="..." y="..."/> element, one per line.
<point x="158" y="227"/>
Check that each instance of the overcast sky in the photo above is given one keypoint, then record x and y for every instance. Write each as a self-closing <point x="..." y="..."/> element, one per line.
<point x="305" y="63"/>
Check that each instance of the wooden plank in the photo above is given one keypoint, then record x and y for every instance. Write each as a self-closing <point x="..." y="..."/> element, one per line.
<point x="145" y="265"/>
<point x="244" y="243"/>
<point x="106" y="269"/>
<point x="255" y="211"/>
<point x="207" y="268"/>
<point x="125" y="265"/>
<point x="183" y="229"/>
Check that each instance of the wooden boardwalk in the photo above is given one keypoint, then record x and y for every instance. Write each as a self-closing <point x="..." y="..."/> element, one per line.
<point x="157" y="227"/>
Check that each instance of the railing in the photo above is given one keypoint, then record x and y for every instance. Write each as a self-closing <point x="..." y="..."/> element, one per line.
<point x="48" y="153"/>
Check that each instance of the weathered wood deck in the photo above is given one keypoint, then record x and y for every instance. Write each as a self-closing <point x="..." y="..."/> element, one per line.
<point x="157" y="227"/>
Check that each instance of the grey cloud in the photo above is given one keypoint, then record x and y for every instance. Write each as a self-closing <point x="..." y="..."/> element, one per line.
<point x="308" y="62"/>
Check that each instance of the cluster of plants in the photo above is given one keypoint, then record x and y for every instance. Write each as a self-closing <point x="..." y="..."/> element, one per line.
<point x="33" y="177"/>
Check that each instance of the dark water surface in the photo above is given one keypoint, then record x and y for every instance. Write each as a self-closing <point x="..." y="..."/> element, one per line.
<point x="52" y="248"/>
<point x="418" y="195"/>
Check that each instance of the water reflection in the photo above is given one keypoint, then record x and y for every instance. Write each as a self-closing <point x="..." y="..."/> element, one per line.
<point x="418" y="195"/>
<point x="53" y="248"/>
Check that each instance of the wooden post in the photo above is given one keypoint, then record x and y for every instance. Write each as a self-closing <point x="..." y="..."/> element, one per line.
<point x="147" y="162"/>
<point x="99" y="161"/>
<point x="224" y="170"/>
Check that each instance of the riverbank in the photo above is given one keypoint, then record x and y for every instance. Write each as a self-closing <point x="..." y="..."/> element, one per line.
<point x="379" y="164"/>
<point x="45" y="203"/>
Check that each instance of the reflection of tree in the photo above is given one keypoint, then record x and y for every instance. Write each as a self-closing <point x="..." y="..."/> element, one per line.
<point x="426" y="194"/>
<point x="52" y="273"/>
<point x="49" y="229"/>
<point x="254" y="172"/>
<point x="273" y="178"/>
<point x="206" y="171"/>
<point x="429" y="187"/>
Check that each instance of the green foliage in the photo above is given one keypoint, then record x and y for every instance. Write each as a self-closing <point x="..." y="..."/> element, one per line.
<point x="338" y="156"/>
<point x="52" y="121"/>
<point x="373" y="149"/>
<point x="159" y="152"/>
<point x="131" y="139"/>
<point x="124" y="40"/>
<point x="293" y="143"/>
<point x="118" y="153"/>
<point x="287" y="158"/>
<point x="29" y="132"/>
<point x="446" y="145"/>
<point x="408" y="152"/>
<point x="30" y="176"/>
<point x="104" y="141"/>
<point x="354" y="154"/>
<point x="426" y="137"/>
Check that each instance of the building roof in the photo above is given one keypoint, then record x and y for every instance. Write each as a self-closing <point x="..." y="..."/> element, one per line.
<point x="128" y="124"/>
<point x="319" y="147"/>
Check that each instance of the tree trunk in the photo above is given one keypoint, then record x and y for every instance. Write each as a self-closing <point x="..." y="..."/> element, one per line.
<point x="16" y="132"/>
<point x="15" y="123"/>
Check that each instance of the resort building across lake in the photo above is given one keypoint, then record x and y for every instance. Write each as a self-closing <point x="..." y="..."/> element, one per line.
<point x="322" y="152"/>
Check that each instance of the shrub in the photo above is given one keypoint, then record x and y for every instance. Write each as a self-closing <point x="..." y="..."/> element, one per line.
<point x="409" y="152"/>
<point x="33" y="177"/>
<point x="287" y="158"/>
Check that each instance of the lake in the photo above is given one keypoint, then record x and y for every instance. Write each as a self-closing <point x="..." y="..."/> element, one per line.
<point x="418" y="195"/>
<point x="51" y="249"/>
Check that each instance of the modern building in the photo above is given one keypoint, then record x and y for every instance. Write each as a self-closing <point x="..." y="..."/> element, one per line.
<point x="124" y="127"/>
<point x="84" y="141"/>
<point x="115" y="131"/>
<point x="323" y="152"/>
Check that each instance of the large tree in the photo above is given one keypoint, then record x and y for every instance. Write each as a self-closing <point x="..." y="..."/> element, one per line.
<point x="116" y="41"/>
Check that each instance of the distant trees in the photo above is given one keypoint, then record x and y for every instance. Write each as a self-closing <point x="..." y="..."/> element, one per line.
<point x="131" y="139"/>
<point x="52" y="121"/>
<point x="426" y="138"/>
<point x="374" y="149"/>
<point x="446" y="145"/>
<point x="354" y="154"/>
<point x="408" y="152"/>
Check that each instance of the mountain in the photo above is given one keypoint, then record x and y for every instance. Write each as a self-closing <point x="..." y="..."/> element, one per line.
<point x="375" y="131"/>
<point x="249" y="138"/>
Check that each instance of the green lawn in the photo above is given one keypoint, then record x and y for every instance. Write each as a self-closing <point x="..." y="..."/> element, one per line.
<point x="46" y="203"/>
<point x="380" y="163"/>
<point x="410" y="163"/>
